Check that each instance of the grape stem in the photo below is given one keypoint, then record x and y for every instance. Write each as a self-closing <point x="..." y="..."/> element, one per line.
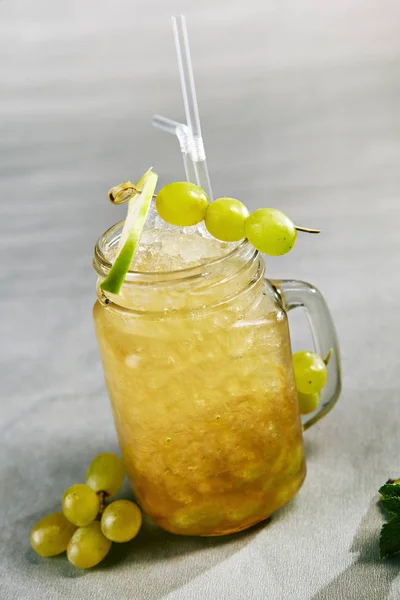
<point x="307" y="229"/>
<point x="328" y="357"/>
<point x="102" y="502"/>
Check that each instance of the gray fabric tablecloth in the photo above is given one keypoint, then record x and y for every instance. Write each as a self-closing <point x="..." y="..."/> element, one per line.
<point x="300" y="108"/>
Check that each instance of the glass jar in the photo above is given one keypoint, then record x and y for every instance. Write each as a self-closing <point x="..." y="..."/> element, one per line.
<point x="198" y="368"/>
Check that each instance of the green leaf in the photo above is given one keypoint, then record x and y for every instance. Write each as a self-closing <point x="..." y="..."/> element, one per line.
<point x="392" y="505"/>
<point x="389" y="490"/>
<point x="389" y="540"/>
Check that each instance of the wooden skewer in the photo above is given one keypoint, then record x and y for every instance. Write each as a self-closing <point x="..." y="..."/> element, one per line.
<point x="307" y="229"/>
<point x="123" y="192"/>
<point x="120" y="194"/>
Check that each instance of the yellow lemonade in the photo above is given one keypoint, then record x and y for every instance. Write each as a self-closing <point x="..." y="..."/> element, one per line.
<point x="197" y="361"/>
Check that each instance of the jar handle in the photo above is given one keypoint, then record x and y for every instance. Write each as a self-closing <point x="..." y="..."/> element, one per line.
<point x="298" y="293"/>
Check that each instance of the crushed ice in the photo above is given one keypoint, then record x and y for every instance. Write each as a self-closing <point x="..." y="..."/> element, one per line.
<point x="163" y="247"/>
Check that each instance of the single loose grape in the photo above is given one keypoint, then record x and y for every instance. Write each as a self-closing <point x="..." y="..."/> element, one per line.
<point x="50" y="535"/>
<point x="308" y="402"/>
<point x="80" y="504"/>
<point x="88" y="546"/>
<point x="225" y="219"/>
<point x="106" y="474"/>
<point x="121" y="521"/>
<point x="182" y="203"/>
<point x="310" y="372"/>
<point x="270" y="231"/>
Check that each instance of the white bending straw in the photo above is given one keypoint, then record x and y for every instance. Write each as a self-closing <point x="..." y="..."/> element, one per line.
<point x="194" y="138"/>
<point x="181" y="131"/>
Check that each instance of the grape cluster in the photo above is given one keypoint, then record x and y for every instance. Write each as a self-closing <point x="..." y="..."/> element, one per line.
<point x="86" y="527"/>
<point x="311" y="374"/>
<point x="227" y="219"/>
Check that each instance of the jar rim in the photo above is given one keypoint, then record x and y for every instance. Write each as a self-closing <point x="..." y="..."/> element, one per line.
<point x="102" y="265"/>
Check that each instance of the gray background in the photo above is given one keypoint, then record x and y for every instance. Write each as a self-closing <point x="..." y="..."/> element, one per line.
<point x="300" y="109"/>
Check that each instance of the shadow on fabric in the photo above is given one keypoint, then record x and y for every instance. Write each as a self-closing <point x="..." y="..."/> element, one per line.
<point x="368" y="578"/>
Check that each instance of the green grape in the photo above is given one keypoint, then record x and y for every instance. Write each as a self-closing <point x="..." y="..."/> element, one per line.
<point x="308" y="402"/>
<point x="106" y="474"/>
<point x="50" y="535"/>
<point x="225" y="219"/>
<point x="270" y="231"/>
<point x="310" y="372"/>
<point x="121" y="521"/>
<point x="88" y="546"/>
<point x="182" y="203"/>
<point x="80" y="504"/>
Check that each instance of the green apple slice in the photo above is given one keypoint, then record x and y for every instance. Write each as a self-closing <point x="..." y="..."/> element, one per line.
<point x="138" y="208"/>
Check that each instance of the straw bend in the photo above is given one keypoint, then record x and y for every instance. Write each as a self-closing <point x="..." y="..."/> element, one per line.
<point x="194" y="138"/>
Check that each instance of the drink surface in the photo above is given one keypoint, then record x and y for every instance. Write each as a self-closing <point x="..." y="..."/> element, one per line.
<point x="201" y="384"/>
